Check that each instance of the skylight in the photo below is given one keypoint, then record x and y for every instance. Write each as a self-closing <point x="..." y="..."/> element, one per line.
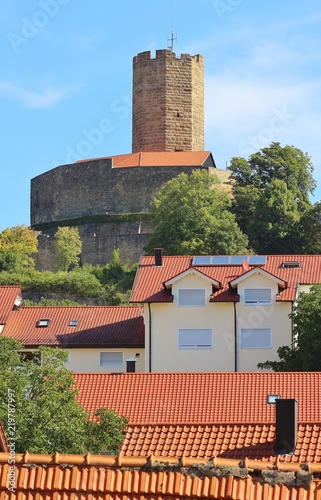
<point x="291" y="264"/>
<point x="73" y="322"/>
<point x="229" y="260"/>
<point x="43" y="323"/>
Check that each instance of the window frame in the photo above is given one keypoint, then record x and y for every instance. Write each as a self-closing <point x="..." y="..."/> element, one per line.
<point x="195" y="345"/>
<point x="111" y="364"/>
<point x="257" y="302"/>
<point x="253" y="330"/>
<point x="179" y="293"/>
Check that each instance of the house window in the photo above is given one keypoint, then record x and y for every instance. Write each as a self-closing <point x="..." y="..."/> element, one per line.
<point x="43" y="323"/>
<point x="195" y="338"/>
<point x="191" y="297"/>
<point x="257" y="295"/>
<point x="256" y="338"/>
<point x="111" y="359"/>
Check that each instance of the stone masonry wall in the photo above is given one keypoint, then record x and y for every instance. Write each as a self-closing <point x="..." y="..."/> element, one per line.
<point x="168" y="102"/>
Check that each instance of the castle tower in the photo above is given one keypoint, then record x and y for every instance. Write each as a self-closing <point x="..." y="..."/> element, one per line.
<point x="168" y="102"/>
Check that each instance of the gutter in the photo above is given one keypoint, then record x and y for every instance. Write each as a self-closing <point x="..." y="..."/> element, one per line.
<point x="235" y="338"/>
<point x="150" y="338"/>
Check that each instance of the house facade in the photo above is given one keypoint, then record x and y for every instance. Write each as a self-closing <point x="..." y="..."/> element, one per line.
<point x="219" y="313"/>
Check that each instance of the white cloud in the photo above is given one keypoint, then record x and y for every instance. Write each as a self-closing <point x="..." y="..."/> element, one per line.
<point x="32" y="99"/>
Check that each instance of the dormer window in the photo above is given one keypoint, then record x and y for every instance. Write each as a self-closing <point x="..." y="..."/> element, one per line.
<point x="191" y="297"/>
<point x="257" y="296"/>
<point x="43" y="323"/>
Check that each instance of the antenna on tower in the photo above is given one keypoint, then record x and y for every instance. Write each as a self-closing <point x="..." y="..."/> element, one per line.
<point x="172" y="39"/>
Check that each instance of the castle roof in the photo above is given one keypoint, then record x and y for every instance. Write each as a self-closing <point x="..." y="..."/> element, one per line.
<point x="290" y="270"/>
<point x="160" y="159"/>
<point x="77" y="326"/>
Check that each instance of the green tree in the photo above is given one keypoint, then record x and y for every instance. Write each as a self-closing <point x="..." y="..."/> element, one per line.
<point x="274" y="220"/>
<point x="67" y="247"/>
<point x="288" y="164"/>
<point x="17" y="246"/>
<point x="38" y="406"/>
<point x="304" y="354"/>
<point x="308" y="232"/>
<point x="191" y="215"/>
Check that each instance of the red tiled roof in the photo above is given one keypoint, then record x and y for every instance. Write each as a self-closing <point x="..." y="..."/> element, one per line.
<point x="150" y="279"/>
<point x="237" y="441"/>
<point x="8" y="296"/>
<point x="97" y="326"/>
<point x="3" y="440"/>
<point x="159" y="159"/>
<point x="205" y="398"/>
<point x="73" y="477"/>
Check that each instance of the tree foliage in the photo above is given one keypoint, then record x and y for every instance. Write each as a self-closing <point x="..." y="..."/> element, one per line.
<point x="270" y="195"/>
<point x="191" y="215"/>
<point x="39" y="410"/>
<point x="17" y="246"/>
<point x="304" y="354"/>
<point x="67" y="246"/>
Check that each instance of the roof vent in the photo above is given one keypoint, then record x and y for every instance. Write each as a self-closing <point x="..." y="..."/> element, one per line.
<point x="158" y="257"/>
<point x="286" y="426"/>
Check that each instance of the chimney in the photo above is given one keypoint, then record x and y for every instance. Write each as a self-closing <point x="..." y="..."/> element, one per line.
<point x="131" y="365"/>
<point x="286" y="426"/>
<point x="158" y="257"/>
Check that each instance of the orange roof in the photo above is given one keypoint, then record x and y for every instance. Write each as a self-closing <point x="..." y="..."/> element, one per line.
<point x="69" y="477"/>
<point x="206" y="414"/>
<point x="236" y="441"/>
<point x="205" y="398"/>
<point x="3" y="440"/>
<point x="149" y="283"/>
<point x="8" y="297"/>
<point x="159" y="159"/>
<point x="112" y="326"/>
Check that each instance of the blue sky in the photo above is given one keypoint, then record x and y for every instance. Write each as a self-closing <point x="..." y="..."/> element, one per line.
<point x="66" y="78"/>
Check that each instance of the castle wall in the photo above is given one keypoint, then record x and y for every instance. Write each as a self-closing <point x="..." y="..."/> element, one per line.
<point x="94" y="187"/>
<point x="168" y="102"/>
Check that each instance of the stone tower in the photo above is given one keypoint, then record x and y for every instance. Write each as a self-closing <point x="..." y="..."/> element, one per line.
<point x="168" y="102"/>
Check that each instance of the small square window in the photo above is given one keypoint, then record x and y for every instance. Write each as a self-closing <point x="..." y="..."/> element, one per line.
<point x="195" y="338"/>
<point x="271" y="398"/>
<point x="43" y="323"/>
<point x="257" y="296"/>
<point x="73" y="322"/>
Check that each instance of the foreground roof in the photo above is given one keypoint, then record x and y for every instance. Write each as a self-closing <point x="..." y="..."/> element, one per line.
<point x="160" y="159"/>
<point x="9" y="296"/>
<point x="94" y="326"/>
<point x="206" y="414"/>
<point x="69" y="477"/>
<point x="150" y="280"/>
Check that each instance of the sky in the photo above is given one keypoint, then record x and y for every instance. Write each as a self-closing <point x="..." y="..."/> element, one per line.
<point x="66" y="80"/>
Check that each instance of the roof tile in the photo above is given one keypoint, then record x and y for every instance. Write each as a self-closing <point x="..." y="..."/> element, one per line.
<point x="97" y="326"/>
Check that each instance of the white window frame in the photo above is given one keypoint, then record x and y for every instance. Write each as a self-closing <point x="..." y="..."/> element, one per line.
<point x="111" y="364"/>
<point x="195" y="345"/>
<point x="260" y="302"/>
<point x="186" y="291"/>
<point x="253" y="331"/>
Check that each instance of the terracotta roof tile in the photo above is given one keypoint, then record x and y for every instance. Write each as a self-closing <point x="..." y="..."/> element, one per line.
<point x="97" y="326"/>
<point x="158" y="159"/>
<point x="150" y="279"/>
<point x="205" y="398"/>
<point x="69" y="477"/>
<point x="8" y="296"/>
